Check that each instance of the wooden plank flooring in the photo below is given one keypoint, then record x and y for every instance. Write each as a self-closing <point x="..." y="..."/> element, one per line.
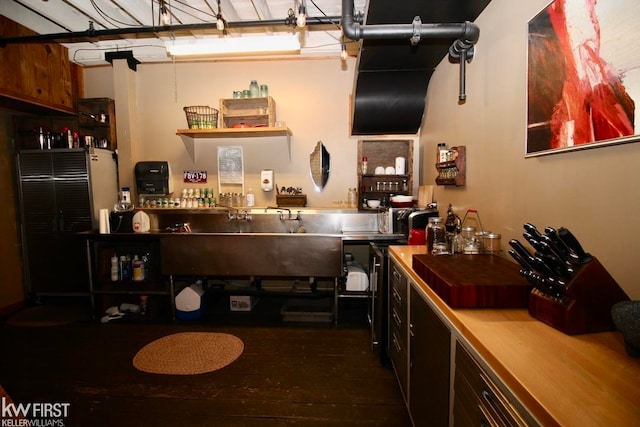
<point x="303" y="375"/>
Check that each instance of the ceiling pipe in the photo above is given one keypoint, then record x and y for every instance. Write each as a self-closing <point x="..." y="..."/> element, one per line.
<point x="91" y="35"/>
<point x="466" y="35"/>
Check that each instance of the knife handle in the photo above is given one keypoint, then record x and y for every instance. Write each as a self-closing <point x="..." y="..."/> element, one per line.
<point x="520" y="249"/>
<point x="520" y="260"/>
<point x="551" y="235"/>
<point x="532" y="240"/>
<point x="572" y="243"/>
<point x="531" y="229"/>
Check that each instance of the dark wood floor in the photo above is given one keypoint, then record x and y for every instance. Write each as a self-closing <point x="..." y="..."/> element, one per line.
<point x="305" y="375"/>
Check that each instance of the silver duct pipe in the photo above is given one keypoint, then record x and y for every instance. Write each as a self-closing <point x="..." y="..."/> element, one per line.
<point x="466" y="35"/>
<point x="467" y="31"/>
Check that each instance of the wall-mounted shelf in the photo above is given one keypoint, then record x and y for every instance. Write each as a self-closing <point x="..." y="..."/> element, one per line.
<point x="382" y="153"/>
<point x="453" y="172"/>
<point x="247" y="132"/>
<point x="190" y="136"/>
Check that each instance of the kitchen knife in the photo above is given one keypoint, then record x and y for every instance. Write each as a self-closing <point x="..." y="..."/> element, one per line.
<point x="572" y="243"/>
<point x="550" y="249"/>
<point x="543" y="268"/>
<point x="531" y="229"/>
<point x="520" y="260"/>
<point x="552" y="234"/>
<point x="533" y="241"/>
<point x="523" y="252"/>
<point x="550" y="288"/>
<point x="553" y="248"/>
<point x="554" y="263"/>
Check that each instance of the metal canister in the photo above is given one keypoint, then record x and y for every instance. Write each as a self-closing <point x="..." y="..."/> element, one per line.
<point x="492" y="243"/>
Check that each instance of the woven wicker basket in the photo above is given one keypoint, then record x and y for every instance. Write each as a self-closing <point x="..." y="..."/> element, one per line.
<point x="201" y="117"/>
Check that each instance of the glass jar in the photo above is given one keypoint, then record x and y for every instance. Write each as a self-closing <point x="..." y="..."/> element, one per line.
<point x="254" y="89"/>
<point x="469" y="241"/>
<point x="430" y="233"/>
<point x="352" y="197"/>
<point x="440" y="246"/>
<point x="264" y="91"/>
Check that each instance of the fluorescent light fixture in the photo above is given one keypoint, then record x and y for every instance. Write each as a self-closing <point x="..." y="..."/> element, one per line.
<point x="233" y="45"/>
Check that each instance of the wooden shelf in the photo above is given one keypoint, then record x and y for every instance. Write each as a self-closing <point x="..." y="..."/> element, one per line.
<point x="235" y="132"/>
<point x="382" y="153"/>
<point x="190" y="136"/>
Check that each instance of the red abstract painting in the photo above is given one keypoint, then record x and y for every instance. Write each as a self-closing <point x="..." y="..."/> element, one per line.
<point x="583" y="75"/>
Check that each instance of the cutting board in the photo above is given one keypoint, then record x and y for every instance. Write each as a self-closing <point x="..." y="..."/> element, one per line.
<point x="474" y="281"/>
<point x="425" y="195"/>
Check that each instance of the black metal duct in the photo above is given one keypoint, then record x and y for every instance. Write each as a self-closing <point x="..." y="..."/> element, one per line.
<point x="393" y="76"/>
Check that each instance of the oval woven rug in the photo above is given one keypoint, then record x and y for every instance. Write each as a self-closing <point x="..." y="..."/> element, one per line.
<point x="188" y="353"/>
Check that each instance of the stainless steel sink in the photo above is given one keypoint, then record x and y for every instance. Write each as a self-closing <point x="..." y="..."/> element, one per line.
<point x="224" y="220"/>
<point x="252" y="254"/>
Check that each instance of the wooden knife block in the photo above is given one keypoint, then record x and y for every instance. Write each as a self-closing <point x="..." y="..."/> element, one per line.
<point x="586" y="307"/>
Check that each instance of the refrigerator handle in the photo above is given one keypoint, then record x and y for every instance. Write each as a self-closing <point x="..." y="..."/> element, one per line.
<point x="60" y="221"/>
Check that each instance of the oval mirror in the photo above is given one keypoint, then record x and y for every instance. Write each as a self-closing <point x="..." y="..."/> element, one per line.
<point x="319" y="163"/>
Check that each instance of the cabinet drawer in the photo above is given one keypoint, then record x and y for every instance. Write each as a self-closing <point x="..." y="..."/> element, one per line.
<point x="492" y="407"/>
<point x="399" y="292"/>
<point x="399" y="359"/>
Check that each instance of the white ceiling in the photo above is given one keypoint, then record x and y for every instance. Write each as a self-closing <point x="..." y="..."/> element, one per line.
<point x="62" y="16"/>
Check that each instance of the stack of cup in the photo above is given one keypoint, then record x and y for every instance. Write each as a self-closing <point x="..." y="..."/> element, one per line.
<point x="105" y="227"/>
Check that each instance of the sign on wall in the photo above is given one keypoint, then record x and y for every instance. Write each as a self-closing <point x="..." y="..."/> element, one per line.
<point x="230" y="165"/>
<point x="194" y="177"/>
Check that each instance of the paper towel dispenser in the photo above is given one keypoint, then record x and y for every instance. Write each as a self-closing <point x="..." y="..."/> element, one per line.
<point x="153" y="178"/>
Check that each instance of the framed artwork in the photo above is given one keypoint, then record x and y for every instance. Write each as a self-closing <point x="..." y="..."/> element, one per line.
<point x="583" y="75"/>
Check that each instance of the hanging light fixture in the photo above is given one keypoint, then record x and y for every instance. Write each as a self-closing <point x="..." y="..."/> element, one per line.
<point x="301" y="17"/>
<point x="220" y="23"/>
<point x="272" y="44"/>
<point x="343" y="52"/>
<point x="165" y="17"/>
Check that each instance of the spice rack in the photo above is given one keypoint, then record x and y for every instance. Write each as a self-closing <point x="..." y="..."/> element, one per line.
<point x="453" y="171"/>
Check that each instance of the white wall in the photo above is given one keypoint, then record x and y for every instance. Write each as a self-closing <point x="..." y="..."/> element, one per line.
<point x="592" y="192"/>
<point x="312" y="97"/>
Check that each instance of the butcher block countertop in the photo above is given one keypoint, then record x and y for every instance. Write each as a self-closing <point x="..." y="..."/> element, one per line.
<point x="579" y="380"/>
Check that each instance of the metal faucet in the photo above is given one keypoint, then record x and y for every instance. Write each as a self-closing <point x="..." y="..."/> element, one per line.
<point x="280" y="212"/>
<point x="238" y="214"/>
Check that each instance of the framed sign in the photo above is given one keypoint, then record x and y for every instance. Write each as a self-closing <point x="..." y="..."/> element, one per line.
<point x="230" y="165"/>
<point x="583" y="75"/>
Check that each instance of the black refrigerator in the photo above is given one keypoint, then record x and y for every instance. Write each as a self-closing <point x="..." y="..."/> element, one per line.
<point x="61" y="192"/>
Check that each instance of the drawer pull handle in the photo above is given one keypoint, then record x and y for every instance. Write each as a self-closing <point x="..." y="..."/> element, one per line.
<point x="396" y="344"/>
<point x="487" y="396"/>
<point x="397" y="296"/>
<point x="396" y="318"/>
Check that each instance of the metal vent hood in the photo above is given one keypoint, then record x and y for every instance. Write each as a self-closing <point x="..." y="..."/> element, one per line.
<point x="393" y="74"/>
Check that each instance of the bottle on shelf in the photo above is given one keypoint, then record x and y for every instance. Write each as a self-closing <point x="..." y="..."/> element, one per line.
<point x="115" y="269"/>
<point x="250" y="198"/>
<point x="352" y="198"/>
<point x="364" y="166"/>
<point x="442" y="153"/>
